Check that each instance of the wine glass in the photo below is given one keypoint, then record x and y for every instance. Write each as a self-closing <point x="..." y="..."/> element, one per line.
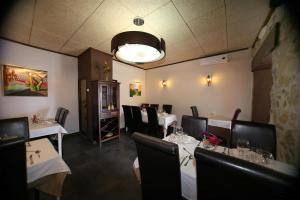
<point x="243" y="147"/>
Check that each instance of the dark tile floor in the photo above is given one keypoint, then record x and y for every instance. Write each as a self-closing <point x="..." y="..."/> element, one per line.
<point x="99" y="174"/>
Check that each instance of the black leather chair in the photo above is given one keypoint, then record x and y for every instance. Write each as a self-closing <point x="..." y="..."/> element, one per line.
<point x="236" y="114"/>
<point x="194" y="126"/>
<point x="156" y="106"/>
<point x="62" y="117"/>
<point x="167" y="108"/>
<point x="262" y="136"/>
<point x="128" y="118"/>
<point x="137" y="123"/>
<point x="194" y="111"/>
<point x="58" y="111"/>
<point x="13" y="175"/>
<point x="15" y="127"/>
<point x="222" y="176"/>
<point x="154" y="129"/>
<point x="159" y="168"/>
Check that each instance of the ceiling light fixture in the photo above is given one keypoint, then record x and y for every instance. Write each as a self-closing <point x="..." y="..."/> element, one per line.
<point x="137" y="47"/>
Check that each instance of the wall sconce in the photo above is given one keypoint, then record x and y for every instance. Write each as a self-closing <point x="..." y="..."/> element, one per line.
<point x="164" y="83"/>
<point x="208" y="80"/>
<point x="136" y="85"/>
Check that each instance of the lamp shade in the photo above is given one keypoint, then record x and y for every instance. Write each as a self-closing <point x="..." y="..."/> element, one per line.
<point x="137" y="47"/>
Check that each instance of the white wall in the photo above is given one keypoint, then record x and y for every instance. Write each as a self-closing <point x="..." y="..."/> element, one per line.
<point x="62" y="83"/>
<point x="126" y="74"/>
<point x="231" y="87"/>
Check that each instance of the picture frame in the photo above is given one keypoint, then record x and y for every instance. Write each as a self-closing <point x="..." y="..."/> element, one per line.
<point x="23" y="81"/>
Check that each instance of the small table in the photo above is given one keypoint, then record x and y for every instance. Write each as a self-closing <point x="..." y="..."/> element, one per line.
<point x="46" y="170"/>
<point x="47" y="127"/>
<point x="164" y="119"/>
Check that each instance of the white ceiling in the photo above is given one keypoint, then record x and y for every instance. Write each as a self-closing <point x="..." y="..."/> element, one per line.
<point x="191" y="28"/>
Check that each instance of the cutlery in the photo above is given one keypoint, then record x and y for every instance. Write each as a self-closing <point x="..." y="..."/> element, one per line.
<point x="187" y="151"/>
<point x="190" y="158"/>
<point x="183" y="160"/>
<point x="31" y="159"/>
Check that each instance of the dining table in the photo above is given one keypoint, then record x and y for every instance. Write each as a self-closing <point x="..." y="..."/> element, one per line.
<point x="46" y="170"/>
<point x="187" y="146"/>
<point x="164" y="119"/>
<point x="47" y="127"/>
<point x="219" y="121"/>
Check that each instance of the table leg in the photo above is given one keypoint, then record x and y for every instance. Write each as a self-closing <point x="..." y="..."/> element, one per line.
<point x="165" y="132"/>
<point x="59" y="140"/>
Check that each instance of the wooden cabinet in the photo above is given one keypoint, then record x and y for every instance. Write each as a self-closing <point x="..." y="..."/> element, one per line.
<point x="95" y="65"/>
<point x="106" y="107"/>
<point x="98" y="97"/>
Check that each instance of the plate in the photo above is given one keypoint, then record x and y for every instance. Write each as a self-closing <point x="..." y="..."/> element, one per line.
<point x="109" y="134"/>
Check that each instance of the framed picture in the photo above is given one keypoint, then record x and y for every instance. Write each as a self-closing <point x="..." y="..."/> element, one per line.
<point x="135" y="89"/>
<point x="21" y="81"/>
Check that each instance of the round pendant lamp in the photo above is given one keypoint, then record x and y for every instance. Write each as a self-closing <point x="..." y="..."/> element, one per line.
<point x="137" y="47"/>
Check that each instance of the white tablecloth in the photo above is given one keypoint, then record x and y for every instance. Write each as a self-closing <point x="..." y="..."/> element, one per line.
<point x="164" y="120"/>
<point x="49" y="162"/>
<point x="188" y="172"/>
<point x="47" y="127"/>
<point x="219" y="121"/>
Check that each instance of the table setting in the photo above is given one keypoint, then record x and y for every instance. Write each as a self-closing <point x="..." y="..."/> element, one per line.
<point x="187" y="145"/>
<point x="46" y="170"/>
<point x="42" y="127"/>
<point x="164" y="119"/>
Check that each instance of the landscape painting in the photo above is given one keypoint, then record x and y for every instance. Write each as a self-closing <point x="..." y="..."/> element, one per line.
<point x="135" y="90"/>
<point x="21" y="81"/>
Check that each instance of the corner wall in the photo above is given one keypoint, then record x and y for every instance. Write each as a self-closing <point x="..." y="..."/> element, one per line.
<point x="126" y="74"/>
<point x="231" y="87"/>
<point x="62" y="84"/>
<point x="285" y="92"/>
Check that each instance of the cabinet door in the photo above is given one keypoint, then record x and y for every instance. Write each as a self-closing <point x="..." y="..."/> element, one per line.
<point x="114" y="95"/>
<point x="105" y="99"/>
<point x="83" y="106"/>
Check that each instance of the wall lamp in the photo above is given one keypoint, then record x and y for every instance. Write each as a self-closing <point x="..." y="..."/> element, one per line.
<point x="208" y="80"/>
<point x="164" y="83"/>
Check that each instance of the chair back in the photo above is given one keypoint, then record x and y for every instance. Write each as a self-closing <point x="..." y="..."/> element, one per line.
<point x="62" y="117"/>
<point x="167" y="108"/>
<point x="159" y="168"/>
<point x="128" y="117"/>
<point x="15" y="127"/>
<point x="236" y="114"/>
<point x="219" y="176"/>
<point x="58" y="111"/>
<point x="137" y="118"/>
<point x="259" y="135"/>
<point x="194" y="126"/>
<point x="13" y="181"/>
<point x="154" y="106"/>
<point x="153" y="126"/>
<point x="194" y="111"/>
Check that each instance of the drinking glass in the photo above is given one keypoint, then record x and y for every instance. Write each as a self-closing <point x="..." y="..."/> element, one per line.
<point x="243" y="147"/>
<point x="265" y="156"/>
<point x="179" y="133"/>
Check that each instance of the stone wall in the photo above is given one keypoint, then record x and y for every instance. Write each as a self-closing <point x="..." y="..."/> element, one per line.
<point x="285" y="92"/>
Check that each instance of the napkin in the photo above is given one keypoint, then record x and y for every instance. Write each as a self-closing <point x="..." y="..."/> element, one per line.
<point x="213" y="139"/>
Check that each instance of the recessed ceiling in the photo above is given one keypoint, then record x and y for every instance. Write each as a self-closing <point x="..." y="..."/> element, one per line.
<point x="191" y="28"/>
